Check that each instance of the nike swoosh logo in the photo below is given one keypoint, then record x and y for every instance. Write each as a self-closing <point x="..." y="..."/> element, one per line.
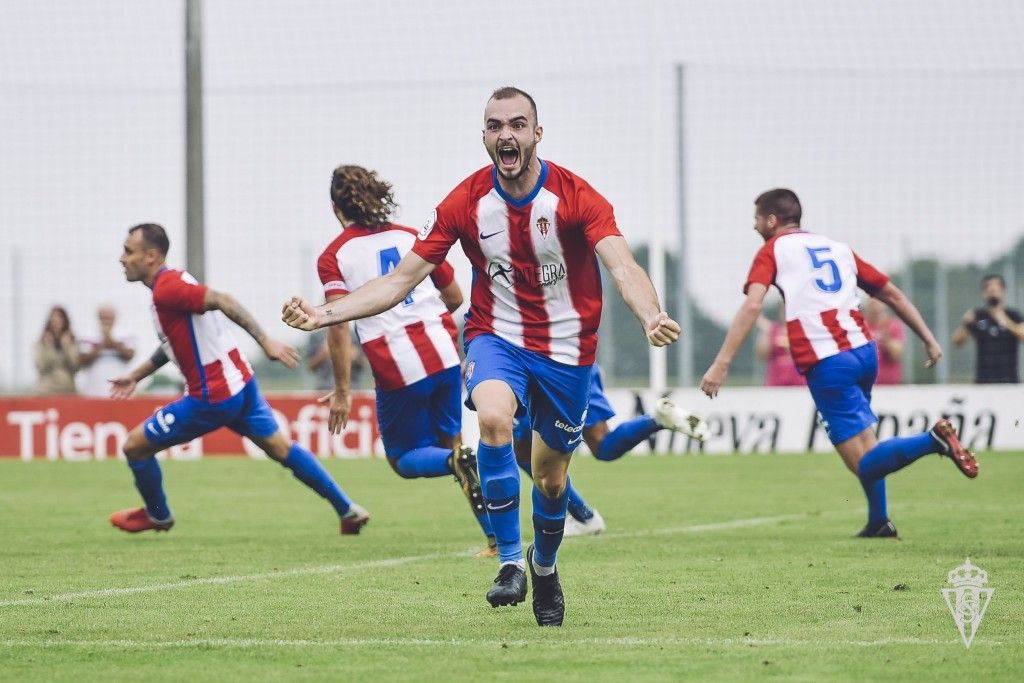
<point x="501" y="507"/>
<point x="550" y="533"/>
<point x="487" y="237"/>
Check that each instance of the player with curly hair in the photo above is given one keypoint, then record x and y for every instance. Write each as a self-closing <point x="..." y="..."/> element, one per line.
<point x="412" y="348"/>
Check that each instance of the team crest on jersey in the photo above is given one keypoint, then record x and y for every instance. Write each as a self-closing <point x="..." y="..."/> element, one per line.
<point x="428" y="226"/>
<point x="544" y="227"/>
<point x="470" y="367"/>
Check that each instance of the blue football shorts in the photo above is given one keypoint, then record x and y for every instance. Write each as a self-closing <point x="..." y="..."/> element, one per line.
<point x="599" y="409"/>
<point x="841" y="388"/>
<point x="553" y="397"/>
<point x="417" y="415"/>
<point x="246" y="413"/>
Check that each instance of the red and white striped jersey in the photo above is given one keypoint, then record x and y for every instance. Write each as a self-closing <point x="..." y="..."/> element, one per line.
<point x="536" y="282"/>
<point x="818" y="278"/>
<point x="416" y="338"/>
<point x="198" y="341"/>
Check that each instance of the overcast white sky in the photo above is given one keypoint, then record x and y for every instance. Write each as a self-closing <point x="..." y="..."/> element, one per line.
<point x="897" y="123"/>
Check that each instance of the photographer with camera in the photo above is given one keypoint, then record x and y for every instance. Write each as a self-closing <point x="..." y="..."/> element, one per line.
<point x="997" y="332"/>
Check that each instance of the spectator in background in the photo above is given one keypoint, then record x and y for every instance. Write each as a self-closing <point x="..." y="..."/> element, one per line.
<point x="104" y="356"/>
<point x="56" y="354"/>
<point x="772" y="347"/>
<point x="890" y="337"/>
<point x="997" y="333"/>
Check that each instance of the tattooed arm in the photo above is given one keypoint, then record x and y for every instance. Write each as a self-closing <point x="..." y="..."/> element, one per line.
<point x="236" y="313"/>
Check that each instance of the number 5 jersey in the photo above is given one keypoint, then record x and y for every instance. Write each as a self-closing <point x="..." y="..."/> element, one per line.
<point x="818" y="278"/>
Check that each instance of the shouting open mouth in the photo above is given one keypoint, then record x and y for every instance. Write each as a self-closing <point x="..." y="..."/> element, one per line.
<point x="508" y="157"/>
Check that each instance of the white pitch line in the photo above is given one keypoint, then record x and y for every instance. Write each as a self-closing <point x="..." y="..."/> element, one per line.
<point x="713" y="526"/>
<point x="217" y="580"/>
<point x="249" y="643"/>
<point x="374" y="564"/>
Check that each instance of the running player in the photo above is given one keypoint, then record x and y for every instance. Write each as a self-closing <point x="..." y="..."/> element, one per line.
<point x="832" y="346"/>
<point x="530" y="229"/>
<point x="191" y="322"/>
<point x="412" y="348"/>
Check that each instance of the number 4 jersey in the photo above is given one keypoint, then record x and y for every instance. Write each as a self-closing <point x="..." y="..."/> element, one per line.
<point x="416" y="338"/>
<point x="818" y="278"/>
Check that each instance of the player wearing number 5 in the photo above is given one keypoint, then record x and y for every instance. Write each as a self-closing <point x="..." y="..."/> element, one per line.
<point x="833" y="348"/>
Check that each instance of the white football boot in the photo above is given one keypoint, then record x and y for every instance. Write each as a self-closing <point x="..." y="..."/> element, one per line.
<point x="670" y="416"/>
<point x="591" y="527"/>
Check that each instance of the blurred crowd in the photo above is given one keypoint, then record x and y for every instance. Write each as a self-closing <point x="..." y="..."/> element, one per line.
<point x="67" y="364"/>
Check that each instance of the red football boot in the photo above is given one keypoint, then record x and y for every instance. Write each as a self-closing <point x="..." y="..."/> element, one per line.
<point x="351" y="525"/>
<point x="134" y="520"/>
<point x="945" y="434"/>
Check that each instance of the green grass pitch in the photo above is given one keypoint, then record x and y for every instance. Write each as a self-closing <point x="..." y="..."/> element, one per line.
<point x="713" y="568"/>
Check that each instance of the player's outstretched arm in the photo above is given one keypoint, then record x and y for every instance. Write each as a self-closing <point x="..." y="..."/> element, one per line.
<point x="236" y="313"/>
<point x="741" y="326"/>
<point x="339" y="349"/>
<point x="637" y="291"/>
<point x="908" y="313"/>
<point x="376" y="296"/>
<point x="124" y="386"/>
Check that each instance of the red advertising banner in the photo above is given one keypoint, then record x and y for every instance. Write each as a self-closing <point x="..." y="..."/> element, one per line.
<point x="79" y="428"/>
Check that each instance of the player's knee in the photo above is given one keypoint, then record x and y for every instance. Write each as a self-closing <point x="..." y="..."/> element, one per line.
<point x="405" y="472"/>
<point x="278" y="452"/>
<point x="550" y="485"/>
<point x="276" y="446"/>
<point x="495" y="425"/>
<point x="136" y="447"/>
<point x="595" y="435"/>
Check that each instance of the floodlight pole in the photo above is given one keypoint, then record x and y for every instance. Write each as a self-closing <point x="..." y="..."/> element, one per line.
<point x="942" y="315"/>
<point x="195" y="253"/>
<point x="16" y="319"/>
<point x="685" y="344"/>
